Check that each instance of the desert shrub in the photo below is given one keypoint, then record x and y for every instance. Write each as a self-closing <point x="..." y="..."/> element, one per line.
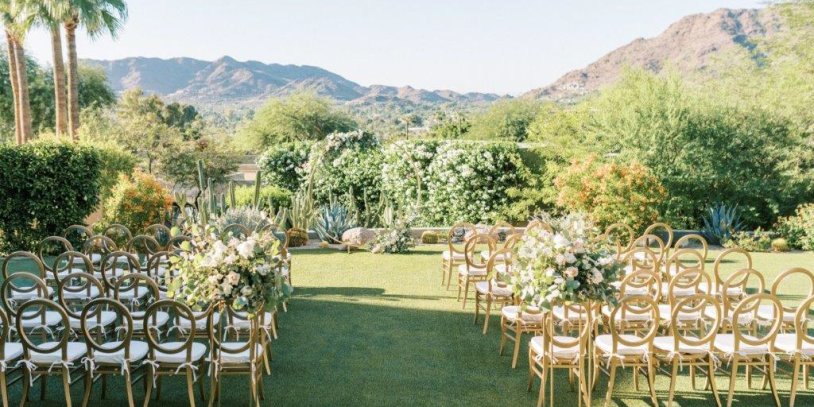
<point x="798" y="229"/>
<point x="468" y="181"/>
<point x="404" y="170"/>
<point x="47" y="187"/>
<point x="253" y="219"/>
<point x="780" y="245"/>
<point x="610" y="193"/>
<point x="757" y="241"/>
<point x="271" y="197"/>
<point x="283" y="165"/>
<point x="429" y="237"/>
<point x="178" y="161"/>
<point x="137" y="201"/>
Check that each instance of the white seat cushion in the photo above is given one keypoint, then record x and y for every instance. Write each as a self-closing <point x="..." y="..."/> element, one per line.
<point x="502" y="268"/>
<point x="75" y="350"/>
<point x="666" y="314"/>
<point x="787" y="343"/>
<point x="627" y="315"/>
<point x="200" y="324"/>
<point x="726" y="343"/>
<point x="198" y="351"/>
<point x="483" y="288"/>
<point x="138" y="351"/>
<point x="726" y="316"/>
<point x="455" y="257"/>
<point x="631" y="290"/>
<point x="560" y="353"/>
<point x="112" y="273"/>
<point x="242" y="357"/>
<point x="605" y="344"/>
<point x="677" y="291"/>
<point x="471" y="271"/>
<point x="107" y="318"/>
<point x="12" y="351"/>
<point x="84" y="294"/>
<point x="767" y="312"/>
<point x="731" y="291"/>
<point x="161" y="319"/>
<point x="510" y="313"/>
<point x="242" y="323"/>
<point x="51" y="318"/>
<point x="28" y="295"/>
<point x="667" y="344"/>
<point x="559" y="314"/>
<point x="500" y="258"/>
<point x="132" y="294"/>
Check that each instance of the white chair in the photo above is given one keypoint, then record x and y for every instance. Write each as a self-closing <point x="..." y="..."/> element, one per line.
<point x="791" y="279"/>
<point x="73" y="293"/>
<point x="551" y="351"/>
<point x="728" y="256"/>
<point x="516" y="320"/>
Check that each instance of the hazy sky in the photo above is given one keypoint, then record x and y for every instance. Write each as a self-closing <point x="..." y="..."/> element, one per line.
<point x="507" y="46"/>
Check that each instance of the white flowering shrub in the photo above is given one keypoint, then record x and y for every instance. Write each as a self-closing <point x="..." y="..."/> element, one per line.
<point x="404" y="170"/>
<point x="566" y="265"/>
<point x="284" y="165"/>
<point x="468" y="181"/>
<point x="241" y="272"/>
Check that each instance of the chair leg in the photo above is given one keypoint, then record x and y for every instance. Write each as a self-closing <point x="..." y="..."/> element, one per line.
<point x="88" y="389"/>
<point x="104" y="387"/>
<point x="190" y="388"/>
<point x="733" y="376"/>
<point x="26" y="387"/>
<point x="673" y="383"/>
<point x="651" y="381"/>
<point x="148" y="383"/>
<point x="610" y="383"/>
<point x="201" y="390"/>
<point x="543" y="379"/>
<point x="3" y="389"/>
<point x="477" y="306"/>
<point x="518" y="335"/>
<point x="129" y="389"/>
<point x="531" y="372"/>
<point x="66" y="384"/>
<point x="466" y="292"/>
<point x="794" y="379"/>
<point x="772" y="384"/>
<point x="43" y="386"/>
<point x="711" y="381"/>
<point x="488" y="312"/>
<point x="449" y="274"/>
<point x="443" y="272"/>
<point x="502" y="335"/>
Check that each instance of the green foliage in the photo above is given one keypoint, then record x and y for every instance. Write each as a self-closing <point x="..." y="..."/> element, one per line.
<point x="798" y="229"/>
<point x="505" y="120"/>
<point x="115" y="162"/>
<point x="302" y="211"/>
<point x="46" y="187"/>
<point x="757" y="241"/>
<point x="333" y="220"/>
<point x="251" y="218"/>
<point x="177" y="161"/>
<point x="94" y="90"/>
<point x="271" y="197"/>
<point x="450" y="126"/>
<point x="780" y="245"/>
<point x="283" y="165"/>
<point x="299" y="117"/>
<point x="610" y="193"/>
<point x="429" y="237"/>
<point x="468" y="181"/>
<point x="137" y="201"/>
<point x="722" y="222"/>
<point x="396" y="237"/>
<point x="404" y="171"/>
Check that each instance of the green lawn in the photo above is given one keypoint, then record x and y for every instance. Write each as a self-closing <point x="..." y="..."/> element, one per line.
<point x="380" y="330"/>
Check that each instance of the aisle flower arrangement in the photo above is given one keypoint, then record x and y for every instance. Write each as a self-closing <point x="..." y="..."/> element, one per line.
<point x="243" y="272"/>
<point x="566" y="265"/>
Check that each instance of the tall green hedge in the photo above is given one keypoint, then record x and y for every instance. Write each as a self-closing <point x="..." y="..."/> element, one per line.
<point x="45" y="188"/>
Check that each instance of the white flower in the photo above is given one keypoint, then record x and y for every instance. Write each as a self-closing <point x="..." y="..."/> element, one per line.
<point x="226" y="288"/>
<point x="560" y="260"/>
<point x="597" y="277"/>
<point x="247" y="290"/>
<point x="233" y="278"/>
<point x="230" y="259"/>
<point x="571" y="272"/>
<point x="570" y="258"/>
<point x="560" y="241"/>
<point x="246" y="249"/>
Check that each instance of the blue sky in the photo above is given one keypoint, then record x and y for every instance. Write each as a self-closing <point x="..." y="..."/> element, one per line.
<point x="490" y="46"/>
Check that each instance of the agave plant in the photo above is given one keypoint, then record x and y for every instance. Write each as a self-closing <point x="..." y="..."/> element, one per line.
<point x="721" y="222"/>
<point x="253" y="219"/>
<point x="333" y="220"/>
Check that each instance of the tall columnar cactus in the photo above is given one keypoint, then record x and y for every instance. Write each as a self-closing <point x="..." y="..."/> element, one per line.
<point x="258" y="178"/>
<point x="232" y="200"/>
<point x="201" y="176"/>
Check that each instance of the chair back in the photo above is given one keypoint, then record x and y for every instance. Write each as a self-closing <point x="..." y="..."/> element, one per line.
<point x="739" y="283"/>
<point x="119" y="234"/>
<point x="138" y="283"/>
<point x="538" y="224"/>
<point x="77" y="235"/>
<point x="801" y="323"/>
<point x="642" y="258"/>
<point x="458" y="231"/>
<point x="161" y="233"/>
<point x="684" y="259"/>
<point x="747" y="310"/>
<point x="727" y="256"/>
<point x="500" y="256"/>
<point x="693" y="241"/>
<point x="74" y="292"/>
<point x="70" y="262"/>
<point x="620" y="236"/>
<point x="43" y="305"/>
<point x="35" y="267"/>
<point x="214" y="325"/>
<point x="123" y="320"/>
<point x="646" y="326"/>
<point x="551" y="340"/>
<point x="667" y="230"/>
<point x="144" y="246"/>
<point x="501" y="227"/>
<point x="512" y="241"/>
<point x="12" y="284"/>
<point x="98" y="246"/>
<point x="471" y="255"/>
<point x="653" y="243"/>
<point x="792" y="280"/>
<point x="178" y="309"/>
<point x="641" y="281"/>
<point x="52" y="246"/>
<point x="706" y="331"/>
<point x="687" y="280"/>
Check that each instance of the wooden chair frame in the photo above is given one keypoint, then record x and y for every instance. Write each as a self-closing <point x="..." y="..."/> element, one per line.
<point x="448" y="265"/>
<point x="485" y="300"/>
<point x="473" y="262"/>
<point x="254" y="366"/>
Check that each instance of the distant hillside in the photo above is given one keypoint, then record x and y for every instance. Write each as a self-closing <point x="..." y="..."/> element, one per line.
<point x="688" y="46"/>
<point x="250" y="83"/>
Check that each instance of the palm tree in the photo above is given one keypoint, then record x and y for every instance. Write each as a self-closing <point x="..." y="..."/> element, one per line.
<point x="9" y="13"/>
<point x="97" y="17"/>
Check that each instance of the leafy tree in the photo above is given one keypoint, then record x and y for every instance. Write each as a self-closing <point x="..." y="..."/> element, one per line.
<point x="505" y="120"/>
<point x="178" y="164"/>
<point x="143" y="128"/>
<point x="299" y="117"/>
<point x="450" y="126"/>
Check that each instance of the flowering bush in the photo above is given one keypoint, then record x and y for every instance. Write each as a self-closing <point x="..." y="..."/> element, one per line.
<point x="610" y="193"/>
<point x="468" y="181"/>
<point x="404" y="170"/>
<point x="284" y="165"/>
<point x="799" y="229"/>
<point x="564" y="266"/>
<point x="757" y="241"/>
<point x="241" y="272"/>
<point x="395" y="238"/>
<point x="137" y="201"/>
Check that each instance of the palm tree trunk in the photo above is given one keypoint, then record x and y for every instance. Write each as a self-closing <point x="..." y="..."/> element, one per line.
<point x="27" y="131"/>
<point x="73" y="77"/>
<point x="60" y="95"/>
<point x="12" y="71"/>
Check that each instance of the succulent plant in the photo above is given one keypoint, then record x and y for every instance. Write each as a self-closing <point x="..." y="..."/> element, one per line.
<point x="721" y="222"/>
<point x="333" y="220"/>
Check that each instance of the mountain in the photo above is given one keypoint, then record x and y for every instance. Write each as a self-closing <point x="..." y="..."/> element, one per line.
<point x="228" y="81"/>
<point x="688" y="46"/>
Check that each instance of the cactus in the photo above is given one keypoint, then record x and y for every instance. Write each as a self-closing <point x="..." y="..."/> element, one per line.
<point x="257" y="180"/>
<point x="232" y="200"/>
<point x="201" y="175"/>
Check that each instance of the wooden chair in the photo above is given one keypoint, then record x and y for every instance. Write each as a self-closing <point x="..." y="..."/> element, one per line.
<point x="682" y="260"/>
<point x="685" y="284"/>
<point x="159" y="320"/>
<point x="121" y="357"/>
<point x="516" y="320"/>
<point x="120" y="234"/>
<point x="474" y="268"/>
<point x="97" y="247"/>
<point x="551" y="351"/>
<point x="745" y="347"/>
<point x="33" y="266"/>
<point x="667" y="230"/>
<point x="77" y="235"/>
<point x="170" y="358"/>
<point x="620" y="236"/>
<point x="33" y="287"/>
<point x="797" y="348"/>
<point x="50" y="247"/>
<point x="240" y="323"/>
<point x="493" y="291"/>
<point x="691" y="344"/>
<point x="693" y="241"/>
<point x="74" y="292"/>
<point x="791" y="278"/>
<point x="10" y="352"/>
<point x="726" y="256"/>
<point x="161" y="233"/>
<point x="454" y="255"/>
<point x="237" y="358"/>
<point x="143" y="247"/>
<point x="633" y="349"/>
<point x="43" y="359"/>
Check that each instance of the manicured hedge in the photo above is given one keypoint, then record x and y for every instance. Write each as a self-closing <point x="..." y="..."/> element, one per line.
<point x="270" y="196"/>
<point x="45" y="188"/>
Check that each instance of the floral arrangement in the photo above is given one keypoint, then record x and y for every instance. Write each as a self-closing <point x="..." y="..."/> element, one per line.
<point x="395" y="238"/>
<point x="242" y="272"/>
<point x="565" y="265"/>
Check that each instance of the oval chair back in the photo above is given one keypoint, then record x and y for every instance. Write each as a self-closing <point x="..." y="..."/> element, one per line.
<point x="77" y="235"/>
<point x="471" y="256"/>
<point x="641" y="258"/>
<point x="503" y="228"/>
<point x="687" y="283"/>
<point x="124" y="322"/>
<point x="736" y="287"/>
<point x="500" y="256"/>
<point x="697" y="304"/>
<point x="693" y="241"/>
<point x="620" y="236"/>
<point x="641" y="283"/>
<point x="34" y="267"/>
<point x="144" y="247"/>
<point x="683" y="259"/>
<point x="52" y="246"/>
<point x="97" y="247"/>
<point x="70" y="262"/>
<point x="75" y="290"/>
<point x="458" y="231"/>
<point x="792" y="278"/>
<point x="119" y="234"/>
<point x="34" y="286"/>
<point x="747" y="311"/>
<point x="726" y="256"/>
<point x="43" y="306"/>
<point x="668" y="231"/>
<point x="801" y="325"/>
<point x="652" y="243"/>
<point x="161" y="233"/>
<point x="646" y="324"/>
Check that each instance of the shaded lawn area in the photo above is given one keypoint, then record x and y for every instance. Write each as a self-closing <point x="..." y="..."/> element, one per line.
<point x="380" y="330"/>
